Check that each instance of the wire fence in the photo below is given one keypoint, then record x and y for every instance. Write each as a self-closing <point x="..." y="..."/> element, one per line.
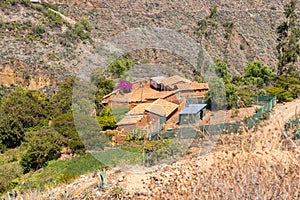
<point x="267" y="103"/>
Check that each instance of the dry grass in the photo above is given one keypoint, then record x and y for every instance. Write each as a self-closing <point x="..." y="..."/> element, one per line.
<point x="243" y="167"/>
<point x="254" y="165"/>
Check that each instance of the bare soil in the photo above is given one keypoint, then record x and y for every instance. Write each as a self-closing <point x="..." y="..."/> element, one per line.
<point x="254" y="156"/>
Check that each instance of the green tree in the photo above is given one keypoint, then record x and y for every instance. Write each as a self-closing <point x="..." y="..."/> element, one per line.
<point x="289" y="83"/>
<point x="61" y="101"/>
<point x="119" y="67"/>
<point x="64" y="125"/>
<point x="258" y="74"/>
<point x="231" y="95"/>
<point x="90" y="133"/>
<point x="222" y="69"/>
<point x="44" y="144"/>
<point x="288" y="32"/>
<point x="104" y="87"/>
<point x="20" y="110"/>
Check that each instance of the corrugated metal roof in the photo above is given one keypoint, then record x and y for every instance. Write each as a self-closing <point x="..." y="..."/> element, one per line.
<point x="192" y="109"/>
<point x="158" y="79"/>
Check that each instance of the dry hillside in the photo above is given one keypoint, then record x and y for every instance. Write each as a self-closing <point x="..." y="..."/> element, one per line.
<point x="243" y="31"/>
<point x="256" y="164"/>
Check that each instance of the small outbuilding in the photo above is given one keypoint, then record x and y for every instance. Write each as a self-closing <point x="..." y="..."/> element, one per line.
<point x="155" y="82"/>
<point x="192" y="114"/>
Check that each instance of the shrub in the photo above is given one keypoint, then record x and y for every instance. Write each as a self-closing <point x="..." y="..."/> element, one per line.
<point x="136" y="135"/>
<point x="38" y="30"/>
<point x="19" y="111"/>
<point x="119" y="67"/>
<point x="107" y="122"/>
<point x="259" y="73"/>
<point x="8" y="173"/>
<point x="44" y="145"/>
<point x="281" y="94"/>
<point x="168" y="153"/>
<point x="55" y="20"/>
<point x="235" y="112"/>
<point x="81" y="31"/>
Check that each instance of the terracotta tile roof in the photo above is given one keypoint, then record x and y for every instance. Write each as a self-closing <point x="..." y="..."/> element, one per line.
<point x="162" y="107"/>
<point x="173" y="80"/>
<point x="139" y="109"/>
<point x="108" y="95"/>
<point x="184" y="86"/>
<point x="199" y="86"/>
<point x="129" y="120"/>
<point x="144" y="94"/>
<point x="192" y="86"/>
<point x="162" y="94"/>
<point x="121" y="97"/>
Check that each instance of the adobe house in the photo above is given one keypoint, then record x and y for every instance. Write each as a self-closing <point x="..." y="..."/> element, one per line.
<point x="192" y="114"/>
<point x="129" y="122"/>
<point x="148" y="116"/>
<point x="134" y="118"/>
<point x="161" y="110"/>
<point x="173" y="89"/>
<point x="167" y="84"/>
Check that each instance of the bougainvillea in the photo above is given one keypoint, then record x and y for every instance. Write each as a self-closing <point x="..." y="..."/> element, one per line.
<point x="124" y="85"/>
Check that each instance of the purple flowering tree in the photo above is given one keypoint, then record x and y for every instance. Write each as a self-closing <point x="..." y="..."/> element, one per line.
<point x="124" y="85"/>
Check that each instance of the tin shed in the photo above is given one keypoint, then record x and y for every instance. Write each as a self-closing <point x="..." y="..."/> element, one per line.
<point x="192" y="114"/>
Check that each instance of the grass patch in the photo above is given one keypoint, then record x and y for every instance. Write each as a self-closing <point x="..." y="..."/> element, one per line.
<point x="65" y="171"/>
<point x="83" y="164"/>
<point x="58" y="172"/>
<point x="119" y="113"/>
<point x="121" y="157"/>
<point x="10" y="168"/>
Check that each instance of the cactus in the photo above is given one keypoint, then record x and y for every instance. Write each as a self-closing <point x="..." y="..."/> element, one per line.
<point x="102" y="176"/>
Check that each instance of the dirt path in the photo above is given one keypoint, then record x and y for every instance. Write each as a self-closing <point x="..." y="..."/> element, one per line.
<point x="280" y="114"/>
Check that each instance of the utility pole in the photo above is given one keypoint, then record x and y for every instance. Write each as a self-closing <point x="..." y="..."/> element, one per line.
<point x="141" y="86"/>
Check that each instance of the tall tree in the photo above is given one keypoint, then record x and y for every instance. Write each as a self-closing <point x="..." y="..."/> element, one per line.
<point x="20" y="110"/>
<point x="61" y="101"/>
<point x="288" y="38"/>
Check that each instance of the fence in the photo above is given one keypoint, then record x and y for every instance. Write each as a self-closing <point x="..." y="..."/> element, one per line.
<point x="267" y="103"/>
